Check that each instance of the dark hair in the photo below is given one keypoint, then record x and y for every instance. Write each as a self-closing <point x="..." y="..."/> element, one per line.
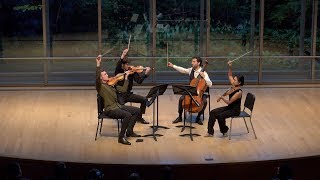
<point x="125" y="60"/>
<point x="240" y="79"/>
<point x="119" y="65"/>
<point x="199" y="60"/>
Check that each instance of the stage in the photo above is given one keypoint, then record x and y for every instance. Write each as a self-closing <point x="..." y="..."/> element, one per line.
<point x="59" y="124"/>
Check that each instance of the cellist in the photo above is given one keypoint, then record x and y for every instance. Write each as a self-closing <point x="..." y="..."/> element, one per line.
<point x="193" y="72"/>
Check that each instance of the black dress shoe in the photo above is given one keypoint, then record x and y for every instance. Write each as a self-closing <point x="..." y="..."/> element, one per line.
<point x="133" y="134"/>
<point x="124" y="141"/>
<point x="143" y="121"/>
<point x="179" y="119"/>
<point x="199" y="121"/>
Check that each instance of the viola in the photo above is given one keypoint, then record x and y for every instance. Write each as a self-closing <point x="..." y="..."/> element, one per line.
<point x="114" y="80"/>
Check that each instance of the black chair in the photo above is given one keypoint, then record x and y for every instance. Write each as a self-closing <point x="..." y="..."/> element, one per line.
<point x="248" y="104"/>
<point x="102" y="115"/>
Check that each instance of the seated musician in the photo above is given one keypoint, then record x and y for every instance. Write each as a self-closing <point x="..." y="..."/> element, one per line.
<point x="193" y="72"/>
<point x="129" y="96"/>
<point x="111" y="106"/>
<point x="233" y="104"/>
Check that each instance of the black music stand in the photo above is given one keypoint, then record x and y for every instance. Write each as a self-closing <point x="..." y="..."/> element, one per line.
<point x="153" y="94"/>
<point x="187" y="91"/>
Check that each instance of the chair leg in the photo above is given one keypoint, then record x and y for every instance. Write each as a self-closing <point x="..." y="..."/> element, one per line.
<point x="253" y="128"/>
<point x="246" y="124"/>
<point x="209" y="103"/>
<point x="203" y="115"/>
<point x="97" y="130"/>
<point x="230" y="129"/>
<point x="101" y="125"/>
<point x="209" y="107"/>
<point x="118" y="120"/>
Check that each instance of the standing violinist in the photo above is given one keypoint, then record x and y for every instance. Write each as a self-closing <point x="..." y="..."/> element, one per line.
<point x="112" y="108"/>
<point x="193" y="72"/>
<point x="129" y="96"/>
<point x="233" y="104"/>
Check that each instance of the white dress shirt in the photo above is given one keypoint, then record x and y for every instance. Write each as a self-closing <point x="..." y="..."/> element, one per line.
<point x="196" y="73"/>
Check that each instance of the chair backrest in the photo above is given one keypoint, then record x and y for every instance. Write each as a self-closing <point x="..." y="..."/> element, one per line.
<point x="100" y="104"/>
<point x="249" y="103"/>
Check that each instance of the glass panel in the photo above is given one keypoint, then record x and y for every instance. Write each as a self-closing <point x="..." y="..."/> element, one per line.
<point x="74" y="33"/>
<point x="21" y="36"/>
<point x="120" y="20"/>
<point x="181" y="25"/>
<point x="282" y="27"/>
<point x="318" y="46"/>
<point x="74" y="27"/>
<point x="245" y="66"/>
<point x="231" y="27"/>
<point x="230" y="37"/>
<point x="286" y="70"/>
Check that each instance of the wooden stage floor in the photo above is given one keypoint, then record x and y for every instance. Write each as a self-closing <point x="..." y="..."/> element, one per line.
<point x="59" y="124"/>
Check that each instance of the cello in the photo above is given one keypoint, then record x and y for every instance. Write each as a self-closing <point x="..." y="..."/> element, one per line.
<point x="188" y="104"/>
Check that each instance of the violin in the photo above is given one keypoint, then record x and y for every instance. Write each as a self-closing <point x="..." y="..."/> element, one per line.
<point x="229" y="90"/>
<point x="119" y="77"/>
<point x="138" y="69"/>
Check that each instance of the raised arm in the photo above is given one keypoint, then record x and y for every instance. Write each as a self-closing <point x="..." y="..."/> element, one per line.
<point x="179" y="69"/>
<point x="98" y="72"/>
<point x="124" y="53"/>
<point x="230" y="72"/>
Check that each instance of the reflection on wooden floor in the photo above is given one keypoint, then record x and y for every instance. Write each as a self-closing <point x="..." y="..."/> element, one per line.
<point x="60" y="125"/>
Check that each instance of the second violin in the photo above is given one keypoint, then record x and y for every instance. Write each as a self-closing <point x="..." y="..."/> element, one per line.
<point x="138" y="69"/>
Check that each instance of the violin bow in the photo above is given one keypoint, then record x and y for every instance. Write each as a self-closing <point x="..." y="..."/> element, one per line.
<point x="129" y="42"/>
<point x="167" y="53"/>
<point x="241" y="56"/>
<point x="107" y="51"/>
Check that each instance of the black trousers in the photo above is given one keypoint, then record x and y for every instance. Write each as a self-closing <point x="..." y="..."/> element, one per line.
<point x="180" y="108"/>
<point x="129" y="115"/>
<point x="130" y="97"/>
<point x="221" y="114"/>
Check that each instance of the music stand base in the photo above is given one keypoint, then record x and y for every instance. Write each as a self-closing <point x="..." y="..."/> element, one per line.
<point x="181" y="126"/>
<point x="157" y="127"/>
<point x="153" y="135"/>
<point x="191" y="135"/>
